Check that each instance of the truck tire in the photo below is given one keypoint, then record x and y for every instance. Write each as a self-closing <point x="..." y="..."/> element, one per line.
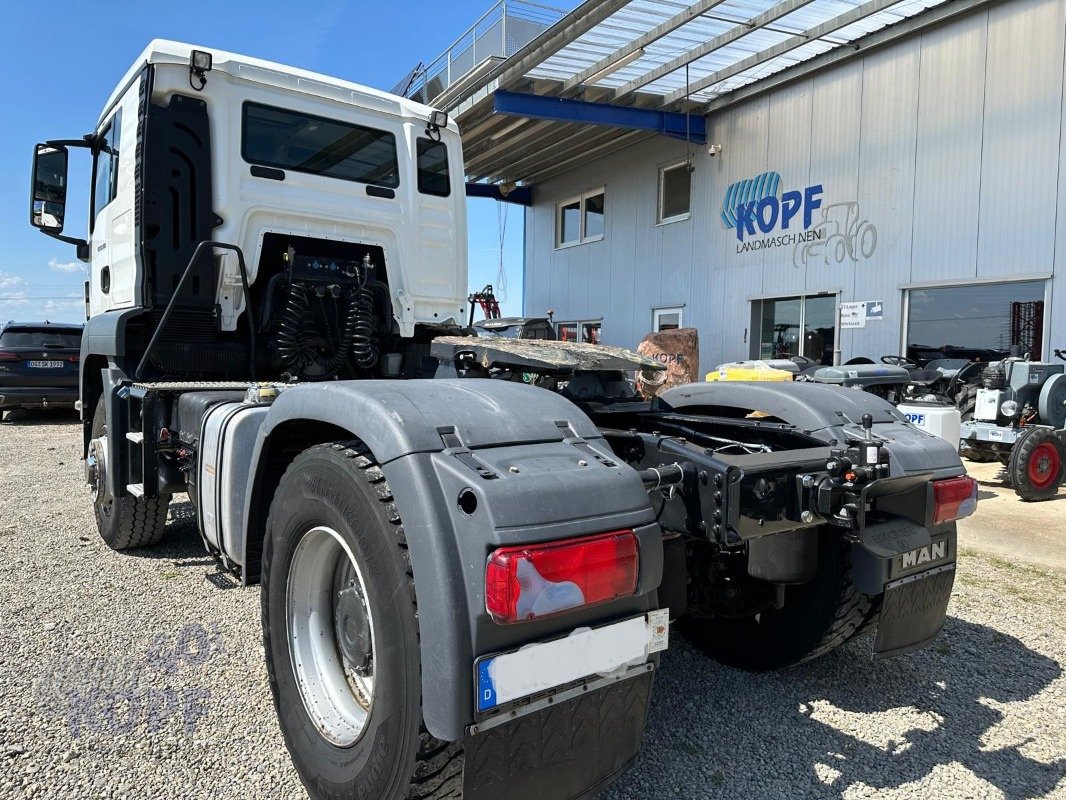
<point x="125" y="522"/>
<point x="1036" y="465"/>
<point x="817" y="617"/>
<point x="966" y="402"/>
<point x="340" y="631"/>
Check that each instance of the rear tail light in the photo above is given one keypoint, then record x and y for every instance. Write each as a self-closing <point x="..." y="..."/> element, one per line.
<point x="953" y="499"/>
<point x="74" y="358"/>
<point x="5" y="356"/>
<point x="536" y="581"/>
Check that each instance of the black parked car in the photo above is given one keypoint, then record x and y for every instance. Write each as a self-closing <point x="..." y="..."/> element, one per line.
<point x="515" y="328"/>
<point x="39" y="364"/>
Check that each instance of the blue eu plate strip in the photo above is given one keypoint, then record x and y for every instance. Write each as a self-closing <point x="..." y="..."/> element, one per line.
<point x="486" y="690"/>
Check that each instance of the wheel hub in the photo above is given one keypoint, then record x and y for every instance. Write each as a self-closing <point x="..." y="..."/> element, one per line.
<point x="331" y="636"/>
<point x="1043" y="465"/>
<point x="352" y="626"/>
<point x="96" y="471"/>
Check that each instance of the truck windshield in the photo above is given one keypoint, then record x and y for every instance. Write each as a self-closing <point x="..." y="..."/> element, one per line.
<point x="276" y="137"/>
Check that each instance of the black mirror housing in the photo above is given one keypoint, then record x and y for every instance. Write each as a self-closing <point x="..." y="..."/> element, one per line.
<point x="48" y="193"/>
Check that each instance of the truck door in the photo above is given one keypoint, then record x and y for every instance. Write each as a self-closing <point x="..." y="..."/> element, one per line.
<point x="111" y="218"/>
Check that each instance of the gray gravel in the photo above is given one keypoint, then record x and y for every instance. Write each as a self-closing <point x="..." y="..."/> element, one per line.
<point x="141" y="676"/>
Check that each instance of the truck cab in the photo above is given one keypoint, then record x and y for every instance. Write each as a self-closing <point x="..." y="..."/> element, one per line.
<point x="313" y="180"/>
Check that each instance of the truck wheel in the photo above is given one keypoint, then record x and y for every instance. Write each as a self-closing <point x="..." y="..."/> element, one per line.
<point x="123" y="522"/>
<point x="340" y="630"/>
<point x="1036" y="465"/>
<point x="966" y="402"/>
<point x="817" y="617"/>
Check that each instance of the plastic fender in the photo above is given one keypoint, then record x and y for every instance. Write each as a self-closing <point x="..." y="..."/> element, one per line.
<point x="553" y="477"/>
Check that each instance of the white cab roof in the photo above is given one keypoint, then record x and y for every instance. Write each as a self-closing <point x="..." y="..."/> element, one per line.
<point x="163" y="51"/>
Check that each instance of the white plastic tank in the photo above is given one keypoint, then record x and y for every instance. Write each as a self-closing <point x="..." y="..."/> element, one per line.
<point x="939" y="419"/>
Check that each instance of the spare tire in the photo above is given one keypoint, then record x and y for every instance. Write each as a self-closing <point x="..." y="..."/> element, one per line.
<point x="817" y="617"/>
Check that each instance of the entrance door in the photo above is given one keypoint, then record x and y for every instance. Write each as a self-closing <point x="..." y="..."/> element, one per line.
<point x="793" y="326"/>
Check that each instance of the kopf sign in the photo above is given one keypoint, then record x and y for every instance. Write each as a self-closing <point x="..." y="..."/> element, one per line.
<point x="767" y="212"/>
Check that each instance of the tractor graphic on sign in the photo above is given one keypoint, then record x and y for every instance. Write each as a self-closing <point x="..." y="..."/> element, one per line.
<point x="842" y="236"/>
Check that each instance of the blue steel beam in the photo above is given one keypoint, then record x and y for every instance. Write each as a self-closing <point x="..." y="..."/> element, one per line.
<point x="520" y="195"/>
<point x="669" y="123"/>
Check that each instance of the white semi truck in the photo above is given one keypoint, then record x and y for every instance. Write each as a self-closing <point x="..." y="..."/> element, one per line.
<point x="469" y="549"/>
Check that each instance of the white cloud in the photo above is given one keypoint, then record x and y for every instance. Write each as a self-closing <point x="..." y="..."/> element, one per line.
<point x="10" y="282"/>
<point x="12" y="299"/>
<point x="66" y="266"/>
<point x="56" y="306"/>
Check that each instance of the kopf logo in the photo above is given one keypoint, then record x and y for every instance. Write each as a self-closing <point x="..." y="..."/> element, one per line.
<point x="924" y="555"/>
<point x="757" y="205"/>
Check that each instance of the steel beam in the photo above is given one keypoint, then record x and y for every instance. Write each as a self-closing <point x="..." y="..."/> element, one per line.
<point x="934" y="16"/>
<point x="599" y="151"/>
<point x="668" y="27"/>
<point x="519" y="195"/>
<point x="674" y="124"/>
<point x="836" y="23"/>
<point x="738" y="31"/>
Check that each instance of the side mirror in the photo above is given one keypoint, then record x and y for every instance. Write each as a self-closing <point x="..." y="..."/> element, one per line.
<point x="48" y="200"/>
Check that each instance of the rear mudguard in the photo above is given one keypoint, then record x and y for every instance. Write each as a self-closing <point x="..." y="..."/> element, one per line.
<point x="898" y="555"/>
<point x="828" y="413"/>
<point x="538" y="470"/>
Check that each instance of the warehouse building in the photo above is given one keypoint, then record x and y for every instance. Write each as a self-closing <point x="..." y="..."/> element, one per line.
<point x="833" y="178"/>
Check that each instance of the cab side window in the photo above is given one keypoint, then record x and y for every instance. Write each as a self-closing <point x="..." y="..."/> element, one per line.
<point x="105" y="166"/>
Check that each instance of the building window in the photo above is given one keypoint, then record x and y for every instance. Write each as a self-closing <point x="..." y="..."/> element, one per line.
<point x="675" y="192"/>
<point x="796" y="326"/>
<point x="580" y="219"/>
<point x="982" y="322"/>
<point x="665" y="319"/>
<point x="582" y="330"/>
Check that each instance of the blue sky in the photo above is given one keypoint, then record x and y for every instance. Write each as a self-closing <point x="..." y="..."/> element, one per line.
<point x="65" y="57"/>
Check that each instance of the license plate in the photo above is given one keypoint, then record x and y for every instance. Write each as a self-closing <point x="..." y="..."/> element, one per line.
<point x="46" y="364"/>
<point x="585" y="652"/>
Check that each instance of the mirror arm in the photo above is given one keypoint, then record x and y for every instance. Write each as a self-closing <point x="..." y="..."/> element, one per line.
<point x="88" y="140"/>
<point x="81" y="244"/>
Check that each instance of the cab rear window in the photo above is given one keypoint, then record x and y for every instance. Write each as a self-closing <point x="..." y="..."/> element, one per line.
<point x="433" y="168"/>
<point x="277" y="137"/>
<point x="30" y="337"/>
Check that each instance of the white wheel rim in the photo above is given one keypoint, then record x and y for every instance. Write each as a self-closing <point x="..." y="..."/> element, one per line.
<point x="325" y="597"/>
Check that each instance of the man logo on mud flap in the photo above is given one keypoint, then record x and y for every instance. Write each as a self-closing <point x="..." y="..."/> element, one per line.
<point x="924" y="555"/>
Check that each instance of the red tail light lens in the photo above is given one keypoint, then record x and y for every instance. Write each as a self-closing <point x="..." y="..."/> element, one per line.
<point x="536" y="581"/>
<point x="953" y="499"/>
<point x="74" y="358"/>
<point x="5" y="356"/>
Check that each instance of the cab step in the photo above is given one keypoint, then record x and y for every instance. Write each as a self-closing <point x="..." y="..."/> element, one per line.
<point x="137" y="437"/>
<point x="135" y="489"/>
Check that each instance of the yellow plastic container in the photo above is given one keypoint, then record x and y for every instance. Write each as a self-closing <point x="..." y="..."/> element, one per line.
<point x="748" y="371"/>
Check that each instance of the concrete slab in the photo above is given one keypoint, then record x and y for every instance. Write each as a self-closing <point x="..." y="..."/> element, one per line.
<point x="1033" y="533"/>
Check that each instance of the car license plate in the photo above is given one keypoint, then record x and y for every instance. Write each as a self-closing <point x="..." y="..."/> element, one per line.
<point x="585" y="652"/>
<point x="46" y="364"/>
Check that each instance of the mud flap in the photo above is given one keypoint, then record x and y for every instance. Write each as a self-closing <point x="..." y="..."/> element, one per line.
<point x="567" y="750"/>
<point x="913" y="611"/>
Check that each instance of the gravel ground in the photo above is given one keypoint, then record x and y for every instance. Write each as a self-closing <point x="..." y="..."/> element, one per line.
<point x="141" y="676"/>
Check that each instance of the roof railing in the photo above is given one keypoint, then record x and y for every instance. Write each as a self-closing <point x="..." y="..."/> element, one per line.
<point x="507" y="27"/>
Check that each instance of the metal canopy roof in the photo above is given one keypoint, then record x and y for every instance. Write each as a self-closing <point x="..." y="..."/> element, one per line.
<point x="666" y="55"/>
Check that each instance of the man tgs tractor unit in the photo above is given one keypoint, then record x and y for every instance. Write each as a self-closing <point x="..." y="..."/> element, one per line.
<point x="1017" y="416"/>
<point x="470" y="549"/>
